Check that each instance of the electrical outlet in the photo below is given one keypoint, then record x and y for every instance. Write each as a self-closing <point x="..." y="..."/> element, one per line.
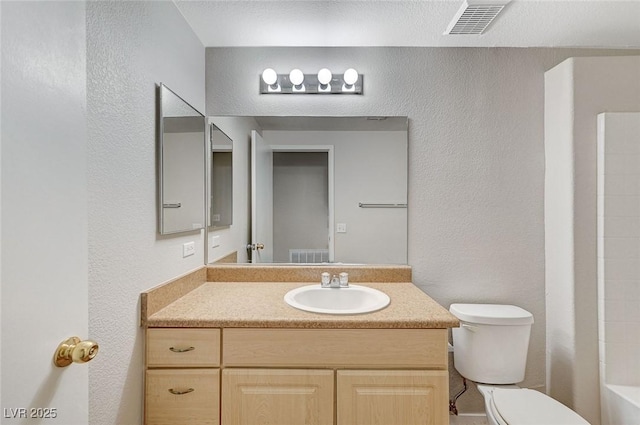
<point x="188" y="249"/>
<point x="341" y="227"/>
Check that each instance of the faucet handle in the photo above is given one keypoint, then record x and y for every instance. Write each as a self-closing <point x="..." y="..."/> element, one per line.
<point x="335" y="282"/>
<point x="344" y="280"/>
<point x="325" y="279"/>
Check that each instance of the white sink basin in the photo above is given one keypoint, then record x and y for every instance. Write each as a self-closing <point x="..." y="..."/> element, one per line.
<point x="352" y="300"/>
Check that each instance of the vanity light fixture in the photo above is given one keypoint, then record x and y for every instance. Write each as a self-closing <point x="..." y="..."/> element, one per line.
<point x="297" y="79"/>
<point x="350" y="80"/>
<point x="270" y="78"/>
<point x="324" y="78"/>
<point x="324" y="82"/>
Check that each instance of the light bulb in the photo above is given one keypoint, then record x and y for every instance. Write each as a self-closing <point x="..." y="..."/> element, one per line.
<point x="350" y="76"/>
<point x="324" y="76"/>
<point x="269" y="76"/>
<point x="296" y="77"/>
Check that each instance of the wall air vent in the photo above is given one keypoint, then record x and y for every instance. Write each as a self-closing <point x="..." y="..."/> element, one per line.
<point x="474" y="16"/>
<point x="308" y="255"/>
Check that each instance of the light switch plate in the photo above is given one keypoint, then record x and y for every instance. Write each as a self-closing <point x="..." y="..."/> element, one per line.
<point x="215" y="241"/>
<point x="188" y="249"/>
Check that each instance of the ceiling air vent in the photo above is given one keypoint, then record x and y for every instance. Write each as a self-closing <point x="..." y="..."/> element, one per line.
<point x="475" y="16"/>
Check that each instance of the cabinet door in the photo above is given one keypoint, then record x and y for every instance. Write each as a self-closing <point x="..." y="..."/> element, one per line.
<point x="277" y="397"/>
<point x="381" y="397"/>
<point x="188" y="396"/>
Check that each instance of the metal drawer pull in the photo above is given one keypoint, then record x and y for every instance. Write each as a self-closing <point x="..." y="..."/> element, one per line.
<point x="181" y="350"/>
<point x="181" y="392"/>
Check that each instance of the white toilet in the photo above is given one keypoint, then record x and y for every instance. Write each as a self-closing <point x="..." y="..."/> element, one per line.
<point x="490" y="349"/>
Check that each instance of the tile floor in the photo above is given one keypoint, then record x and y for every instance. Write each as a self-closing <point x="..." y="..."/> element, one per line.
<point x="468" y="420"/>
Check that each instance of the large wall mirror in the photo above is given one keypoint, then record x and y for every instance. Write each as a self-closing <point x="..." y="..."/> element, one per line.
<point x="181" y="164"/>
<point x="329" y="189"/>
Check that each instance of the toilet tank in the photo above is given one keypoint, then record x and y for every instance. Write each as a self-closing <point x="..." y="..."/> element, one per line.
<point x="491" y="344"/>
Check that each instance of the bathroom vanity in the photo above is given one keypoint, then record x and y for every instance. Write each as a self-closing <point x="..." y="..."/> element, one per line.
<point x="235" y="353"/>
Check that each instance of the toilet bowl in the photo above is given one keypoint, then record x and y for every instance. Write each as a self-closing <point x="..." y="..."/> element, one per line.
<point x="490" y="349"/>
<point x="512" y="405"/>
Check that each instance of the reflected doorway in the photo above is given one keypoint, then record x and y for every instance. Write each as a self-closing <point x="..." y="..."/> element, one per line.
<point x="301" y="207"/>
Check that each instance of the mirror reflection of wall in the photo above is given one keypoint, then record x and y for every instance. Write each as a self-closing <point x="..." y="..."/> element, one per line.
<point x="221" y="188"/>
<point x="327" y="166"/>
<point x="182" y="165"/>
<point x="370" y="167"/>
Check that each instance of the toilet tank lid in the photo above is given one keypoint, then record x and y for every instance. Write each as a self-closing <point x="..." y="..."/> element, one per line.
<point x="492" y="314"/>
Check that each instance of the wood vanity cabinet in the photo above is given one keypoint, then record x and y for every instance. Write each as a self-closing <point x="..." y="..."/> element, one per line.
<point x="182" y="380"/>
<point x="406" y="397"/>
<point x="315" y="377"/>
<point x="277" y="396"/>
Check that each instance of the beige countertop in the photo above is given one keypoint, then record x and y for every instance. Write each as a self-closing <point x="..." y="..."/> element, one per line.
<point x="262" y="305"/>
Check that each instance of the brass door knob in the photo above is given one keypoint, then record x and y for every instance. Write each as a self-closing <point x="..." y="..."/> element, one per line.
<point x="74" y="350"/>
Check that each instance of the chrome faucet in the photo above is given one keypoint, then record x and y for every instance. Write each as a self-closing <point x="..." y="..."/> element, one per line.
<point x="328" y="281"/>
<point x="335" y="282"/>
<point x="344" y="280"/>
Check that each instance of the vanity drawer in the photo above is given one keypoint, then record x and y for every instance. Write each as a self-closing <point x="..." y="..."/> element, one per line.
<point x="383" y="348"/>
<point x="182" y="396"/>
<point x="180" y="347"/>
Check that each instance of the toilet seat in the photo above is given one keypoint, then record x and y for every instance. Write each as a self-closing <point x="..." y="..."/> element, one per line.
<point x="529" y="407"/>
<point x="494" y="412"/>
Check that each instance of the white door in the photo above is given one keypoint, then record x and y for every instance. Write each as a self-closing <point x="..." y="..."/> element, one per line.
<point x="44" y="220"/>
<point x="261" y="200"/>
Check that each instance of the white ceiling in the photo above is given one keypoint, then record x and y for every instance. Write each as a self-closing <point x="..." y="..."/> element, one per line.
<point x="523" y="23"/>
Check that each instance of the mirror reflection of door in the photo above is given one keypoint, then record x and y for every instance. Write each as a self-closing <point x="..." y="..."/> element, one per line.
<point x="292" y="200"/>
<point x="331" y="189"/>
<point x="261" y="200"/>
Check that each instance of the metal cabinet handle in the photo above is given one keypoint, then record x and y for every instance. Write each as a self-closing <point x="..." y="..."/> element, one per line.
<point x="181" y="392"/>
<point x="181" y="350"/>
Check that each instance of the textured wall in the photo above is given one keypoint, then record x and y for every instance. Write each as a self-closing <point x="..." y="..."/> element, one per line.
<point x="131" y="46"/>
<point x="476" y="156"/>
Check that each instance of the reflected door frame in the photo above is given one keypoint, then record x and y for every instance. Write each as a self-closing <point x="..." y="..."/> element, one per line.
<point x="329" y="150"/>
